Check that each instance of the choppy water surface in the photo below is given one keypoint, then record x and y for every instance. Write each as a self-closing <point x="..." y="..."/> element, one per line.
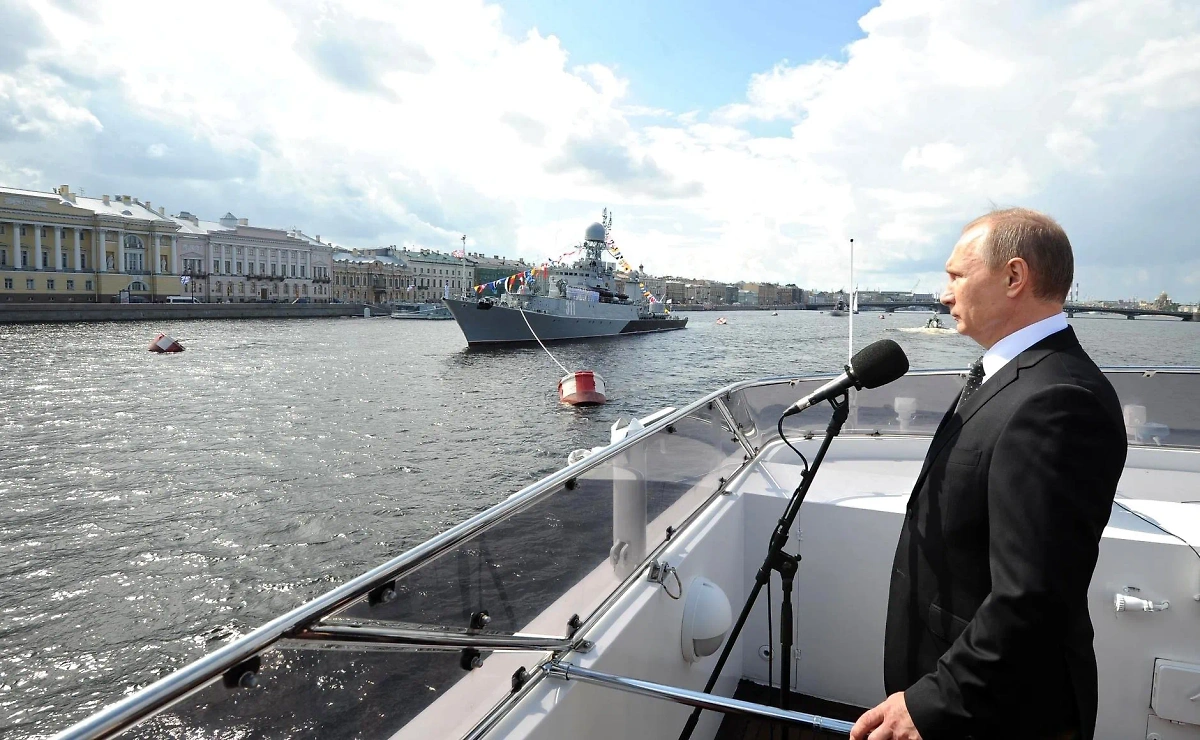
<point x="152" y="506"/>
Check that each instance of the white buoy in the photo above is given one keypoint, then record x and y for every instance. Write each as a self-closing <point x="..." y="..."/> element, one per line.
<point x="164" y="343"/>
<point x="582" y="388"/>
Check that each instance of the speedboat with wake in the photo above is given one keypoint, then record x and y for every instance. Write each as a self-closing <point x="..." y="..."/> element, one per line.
<point x="621" y="596"/>
<point x="933" y="326"/>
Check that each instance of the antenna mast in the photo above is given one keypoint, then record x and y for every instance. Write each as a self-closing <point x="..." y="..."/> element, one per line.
<point x="852" y="306"/>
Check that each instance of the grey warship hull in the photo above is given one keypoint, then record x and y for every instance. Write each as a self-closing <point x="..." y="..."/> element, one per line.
<point x="492" y="324"/>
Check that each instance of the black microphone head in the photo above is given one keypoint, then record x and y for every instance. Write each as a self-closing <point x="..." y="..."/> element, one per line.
<point x="879" y="363"/>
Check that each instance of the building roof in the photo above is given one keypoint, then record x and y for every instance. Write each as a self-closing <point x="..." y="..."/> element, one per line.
<point x="380" y="259"/>
<point x="199" y="228"/>
<point x="116" y="206"/>
<point x="428" y="255"/>
<point x="496" y="261"/>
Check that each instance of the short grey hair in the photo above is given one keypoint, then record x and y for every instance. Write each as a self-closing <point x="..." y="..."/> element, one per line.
<point x="1035" y="238"/>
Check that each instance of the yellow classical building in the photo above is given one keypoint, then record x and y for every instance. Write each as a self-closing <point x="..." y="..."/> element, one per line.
<point x="59" y="246"/>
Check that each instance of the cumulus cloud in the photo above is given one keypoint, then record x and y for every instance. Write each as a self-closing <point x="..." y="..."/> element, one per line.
<point x="418" y="122"/>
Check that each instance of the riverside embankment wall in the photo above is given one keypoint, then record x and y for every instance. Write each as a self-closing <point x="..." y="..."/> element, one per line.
<point x="36" y="313"/>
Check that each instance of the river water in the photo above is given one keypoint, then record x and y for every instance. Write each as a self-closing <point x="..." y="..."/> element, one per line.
<point x="154" y="505"/>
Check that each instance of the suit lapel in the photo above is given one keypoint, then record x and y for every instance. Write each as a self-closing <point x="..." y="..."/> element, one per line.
<point x="956" y="417"/>
<point x="959" y="415"/>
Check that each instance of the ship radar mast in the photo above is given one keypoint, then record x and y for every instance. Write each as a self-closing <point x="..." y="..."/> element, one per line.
<point x="595" y="241"/>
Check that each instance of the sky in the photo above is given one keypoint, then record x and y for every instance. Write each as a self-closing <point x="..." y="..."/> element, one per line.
<point x="732" y="141"/>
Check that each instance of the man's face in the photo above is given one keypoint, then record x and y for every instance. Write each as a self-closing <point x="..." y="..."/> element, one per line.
<point x="977" y="296"/>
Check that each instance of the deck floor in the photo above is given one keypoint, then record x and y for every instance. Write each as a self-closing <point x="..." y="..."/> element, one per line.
<point x="738" y="727"/>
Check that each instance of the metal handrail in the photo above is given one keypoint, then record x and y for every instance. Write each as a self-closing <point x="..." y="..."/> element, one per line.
<point x="196" y="675"/>
<point x="407" y="637"/>
<point x="569" y="672"/>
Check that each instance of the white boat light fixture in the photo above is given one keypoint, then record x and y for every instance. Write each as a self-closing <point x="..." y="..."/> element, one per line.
<point x="707" y="618"/>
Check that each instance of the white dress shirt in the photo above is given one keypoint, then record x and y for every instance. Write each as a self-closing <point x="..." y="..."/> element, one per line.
<point x="1003" y="352"/>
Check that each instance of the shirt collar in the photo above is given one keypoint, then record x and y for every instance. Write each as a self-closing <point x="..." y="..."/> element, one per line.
<point x="1003" y="352"/>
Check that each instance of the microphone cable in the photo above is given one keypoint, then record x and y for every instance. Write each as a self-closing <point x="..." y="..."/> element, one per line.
<point x="787" y="442"/>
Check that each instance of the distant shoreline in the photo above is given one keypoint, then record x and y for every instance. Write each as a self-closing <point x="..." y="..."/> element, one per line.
<point x="43" y="313"/>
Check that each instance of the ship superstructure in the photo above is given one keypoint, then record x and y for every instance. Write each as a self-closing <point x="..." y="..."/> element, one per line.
<point x="580" y="300"/>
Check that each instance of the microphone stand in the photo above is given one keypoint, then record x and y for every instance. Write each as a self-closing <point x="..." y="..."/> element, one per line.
<point x="786" y="565"/>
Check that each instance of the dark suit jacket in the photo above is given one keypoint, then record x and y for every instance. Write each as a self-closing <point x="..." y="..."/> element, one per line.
<point x="988" y="631"/>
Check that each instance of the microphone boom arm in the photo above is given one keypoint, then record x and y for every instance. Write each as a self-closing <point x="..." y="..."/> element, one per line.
<point x="786" y="564"/>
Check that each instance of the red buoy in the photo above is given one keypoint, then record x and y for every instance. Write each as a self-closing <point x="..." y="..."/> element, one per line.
<point x="164" y="343"/>
<point x="582" y="388"/>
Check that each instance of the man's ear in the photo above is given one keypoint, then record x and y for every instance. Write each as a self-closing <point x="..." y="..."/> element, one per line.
<point x="1016" y="276"/>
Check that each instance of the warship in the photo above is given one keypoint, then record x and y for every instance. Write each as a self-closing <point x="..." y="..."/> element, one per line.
<point x="581" y="300"/>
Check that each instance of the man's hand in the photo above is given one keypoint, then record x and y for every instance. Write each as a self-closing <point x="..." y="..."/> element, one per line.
<point x="888" y="721"/>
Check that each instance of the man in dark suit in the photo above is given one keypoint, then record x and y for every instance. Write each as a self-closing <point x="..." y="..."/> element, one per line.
<point x="988" y="633"/>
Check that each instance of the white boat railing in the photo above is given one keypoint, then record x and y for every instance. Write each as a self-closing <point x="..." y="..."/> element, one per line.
<point x="484" y="584"/>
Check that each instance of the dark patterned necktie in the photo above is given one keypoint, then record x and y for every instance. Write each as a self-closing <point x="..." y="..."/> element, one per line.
<point x="974" y="380"/>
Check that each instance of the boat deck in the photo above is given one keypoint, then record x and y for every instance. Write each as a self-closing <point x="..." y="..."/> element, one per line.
<point x="737" y="727"/>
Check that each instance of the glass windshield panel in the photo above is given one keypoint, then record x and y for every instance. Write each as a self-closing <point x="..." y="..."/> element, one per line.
<point x="914" y="404"/>
<point x="334" y="695"/>
<point x="537" y="568"/>
<point x="1159" y="407"/>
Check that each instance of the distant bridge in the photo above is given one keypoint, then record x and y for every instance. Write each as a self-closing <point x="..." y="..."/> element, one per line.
<point x="885" y="306"/>
<point x="1129" y="313"/>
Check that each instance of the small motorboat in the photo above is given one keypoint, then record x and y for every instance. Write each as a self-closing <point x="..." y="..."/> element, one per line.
<point x="422" y="311"/>
<point x="722" y="321"/>
<point x="933" y="326"/>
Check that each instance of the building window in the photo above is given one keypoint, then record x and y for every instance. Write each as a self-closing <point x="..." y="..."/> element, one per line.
<point x="217" y="266"/>
<point x="262" y="268"/>
<point x="135" y="262"/>
<point x="45" y="257"/>
<point x="64" y="260"/>
<point x="239" y="268"/>
<point x="301" y="270"/>
<point x="49" y="284"/>
<point x="82" y="261"/>
<point x="3" y="257"/>
<point x="293" y="271"/>
<point x="70" y="285"/>
<point x="25" y="257"/>
<point x="87" y="285"/>
<point x="28" y="283"/>
<point x="228" y="265"/>
<point x="22" y="231"/>
<point x="43" y="232"/>
<point x="8" y="283"/>
<point x="272" y="268"/>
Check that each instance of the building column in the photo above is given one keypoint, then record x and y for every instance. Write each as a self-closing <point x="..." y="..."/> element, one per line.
<point x="157" y="253"/>
<point x="35" y="254"/>
<point x="120" y="251"/>
<point x="75" y="253"/>
<point x="175" y="254"/>
<point x="14" y="245"/>
<point x="100" y="235"/>
<point x="56" y="257"/>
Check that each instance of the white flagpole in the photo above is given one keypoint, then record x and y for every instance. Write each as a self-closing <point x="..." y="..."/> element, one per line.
<point x="850" y="353"/>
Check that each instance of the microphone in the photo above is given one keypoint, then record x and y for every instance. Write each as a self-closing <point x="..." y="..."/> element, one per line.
<point x="879" y="363"/>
